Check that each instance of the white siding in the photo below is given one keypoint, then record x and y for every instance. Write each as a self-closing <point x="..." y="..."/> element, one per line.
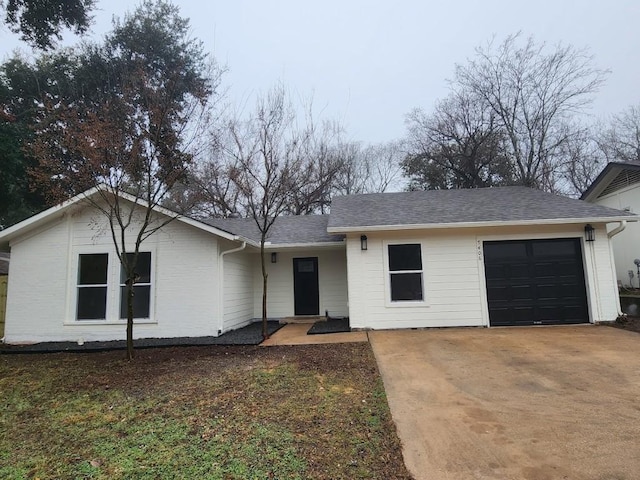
<point x="238" y="287"/>
<point x="626" y="245"/>
<point x="332" y="278"/>
<point x="453" y="277"/>
<point x="42" y="294"/>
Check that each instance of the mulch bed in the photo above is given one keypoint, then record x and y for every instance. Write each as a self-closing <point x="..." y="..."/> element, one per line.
<point x="249" y="335"/>
<point x="333" y="325"/>
<point x="627" y="323"/>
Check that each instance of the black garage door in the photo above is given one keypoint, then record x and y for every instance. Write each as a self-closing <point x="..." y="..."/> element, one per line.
<point x="535" y="282"/>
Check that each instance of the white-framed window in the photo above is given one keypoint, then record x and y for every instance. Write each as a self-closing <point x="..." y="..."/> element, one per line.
<point x="406" y="283"/>
<point x="92" y="286"/>
<point x="141" y="287"/>
<point x="101" y="288"/>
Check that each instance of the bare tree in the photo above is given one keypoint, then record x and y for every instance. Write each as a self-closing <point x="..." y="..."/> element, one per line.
<point x="368" y="169"/>
<point x="582" y="161"/>
<point x="620" y="141"/>
<point x="265" y="167"/>
<point x="534" y="92"/>
<point x="459" y="145"/>
<point x="320" y="164"/>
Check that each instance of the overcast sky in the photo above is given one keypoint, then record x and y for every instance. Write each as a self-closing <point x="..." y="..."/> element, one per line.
<point x="368" y="63"/>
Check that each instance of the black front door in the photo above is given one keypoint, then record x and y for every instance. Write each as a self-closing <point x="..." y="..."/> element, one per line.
<point x="535" y="282"/>
<point x="305" y="286"/>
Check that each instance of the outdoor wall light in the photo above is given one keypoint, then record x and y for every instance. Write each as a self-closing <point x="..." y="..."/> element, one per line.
<point x="363" y="242"/>
<point x="274" y="257"/>
<point x="589" y="233"/>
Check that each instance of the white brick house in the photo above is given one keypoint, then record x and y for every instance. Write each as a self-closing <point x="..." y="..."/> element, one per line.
<point x="485" y="257"/>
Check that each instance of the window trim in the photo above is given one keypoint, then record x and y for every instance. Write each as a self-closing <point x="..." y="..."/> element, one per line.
<point x="113" y="287"/>
<point x="388" y="273"/>
<point x="79" y="286"/>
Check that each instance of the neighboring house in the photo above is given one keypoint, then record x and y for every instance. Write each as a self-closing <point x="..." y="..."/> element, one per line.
<point x="618" y="186"/>
<point x="499" y="256"/>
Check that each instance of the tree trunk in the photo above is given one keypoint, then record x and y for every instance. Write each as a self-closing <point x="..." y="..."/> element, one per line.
<point x="130" y="319"/>
<point x="265" y="326"/>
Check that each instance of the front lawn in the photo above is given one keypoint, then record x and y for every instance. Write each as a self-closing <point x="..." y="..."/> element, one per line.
<point x="302" y="412"/>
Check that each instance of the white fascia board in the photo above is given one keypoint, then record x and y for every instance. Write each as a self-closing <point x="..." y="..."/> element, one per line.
<point x="44" y="216"/>
<point x="516" y="223"/>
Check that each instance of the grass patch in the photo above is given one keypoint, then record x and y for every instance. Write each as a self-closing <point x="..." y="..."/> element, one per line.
<point x="304" y="412"/>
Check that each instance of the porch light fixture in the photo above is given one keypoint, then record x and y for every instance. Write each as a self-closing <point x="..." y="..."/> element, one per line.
<point x="274" y="257"/>
<point x="363" y="242"/>
<point x="589" y="233"/>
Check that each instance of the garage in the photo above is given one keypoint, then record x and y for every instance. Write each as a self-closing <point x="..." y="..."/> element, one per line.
<point x="535" y="282"/>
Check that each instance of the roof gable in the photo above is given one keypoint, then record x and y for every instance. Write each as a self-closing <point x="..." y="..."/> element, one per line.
<point x="60" y="210"/>
<point x="614" y="177"/>
<point x="461" y="208"/>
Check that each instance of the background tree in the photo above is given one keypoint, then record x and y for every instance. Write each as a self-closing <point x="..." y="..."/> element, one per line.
<point x="139" y="102"/>
<point x="620" y="140"/>
<point x="459" y="145"/>
<point x="316" y="156"/>
<point x="532" y="92"/>
<point x="373" y="168"/>
<point x="40" y="22"/>
<point x="24" y="87"/>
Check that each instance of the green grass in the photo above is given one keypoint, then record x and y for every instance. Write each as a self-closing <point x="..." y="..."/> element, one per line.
<point x="211" y="412"/>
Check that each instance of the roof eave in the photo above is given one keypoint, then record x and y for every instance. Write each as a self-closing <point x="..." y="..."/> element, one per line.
<point x="276" y="246"/>
<point x="516" y="223"/>
<point x="51" y="213"/>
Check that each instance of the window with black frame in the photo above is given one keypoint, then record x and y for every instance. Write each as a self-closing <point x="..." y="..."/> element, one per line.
<point x="141" y="287"/>
<point x="405" y="272"/>
<point x="92" y="286"/>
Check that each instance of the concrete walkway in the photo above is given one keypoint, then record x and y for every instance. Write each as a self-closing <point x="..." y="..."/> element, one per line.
<point x="296" y="334"/>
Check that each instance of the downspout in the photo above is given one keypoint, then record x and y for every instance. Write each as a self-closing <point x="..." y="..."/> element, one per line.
<point x="611" y="234"/>
<point x="618" y="229"/>
<point x="221" y="284"/>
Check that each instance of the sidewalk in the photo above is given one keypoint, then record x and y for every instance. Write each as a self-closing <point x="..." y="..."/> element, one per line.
<point x="296" y="334"/>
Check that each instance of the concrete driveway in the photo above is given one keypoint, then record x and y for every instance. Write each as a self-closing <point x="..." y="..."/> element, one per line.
<point x="515" y="403"/>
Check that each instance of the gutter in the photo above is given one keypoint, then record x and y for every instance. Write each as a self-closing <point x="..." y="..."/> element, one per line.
<point x="221" y="283"/>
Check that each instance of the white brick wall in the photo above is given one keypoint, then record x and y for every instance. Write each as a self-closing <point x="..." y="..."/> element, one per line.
<point x="41" y="298"/>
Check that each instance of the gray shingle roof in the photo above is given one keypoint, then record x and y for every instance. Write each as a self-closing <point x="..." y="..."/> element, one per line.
<point x="482" y="205"/>
<point x="285" y="230"/>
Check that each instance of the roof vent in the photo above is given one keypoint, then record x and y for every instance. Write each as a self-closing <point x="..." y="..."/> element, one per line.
<point x="234" y="215"/>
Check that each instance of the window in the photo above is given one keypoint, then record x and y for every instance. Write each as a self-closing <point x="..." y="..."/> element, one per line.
<point x="141" y="288"/>
<point x="405" y="271"/>
<point x="92" y="286"/>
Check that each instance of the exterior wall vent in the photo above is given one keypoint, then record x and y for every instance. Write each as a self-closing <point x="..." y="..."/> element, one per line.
<point x="624" y="179"/>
